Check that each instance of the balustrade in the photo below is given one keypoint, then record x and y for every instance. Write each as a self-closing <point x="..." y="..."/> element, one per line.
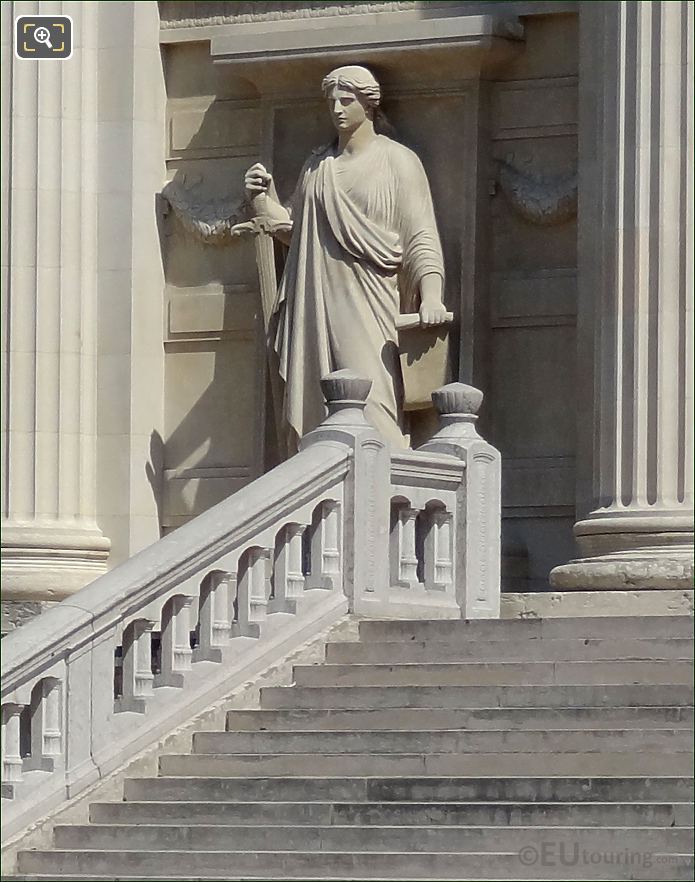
<point x="343" y="526"/>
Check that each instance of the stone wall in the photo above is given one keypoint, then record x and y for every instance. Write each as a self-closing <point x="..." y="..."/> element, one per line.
<point x="494" y="135"/>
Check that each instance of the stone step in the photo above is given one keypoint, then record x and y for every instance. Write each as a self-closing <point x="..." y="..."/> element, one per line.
<point x="178" y="837"/>
<point x="443" y="742"/>
<point x="510" y="814"/>
<point x="492" y="673"/>
<point x="367" y="789"/>
<point x="420" y="719"/>
<point x="535" y="861"/>
<point x="530" y="649"/>
<point x="642" y="762"/>
<point x="368" y="697"/>
<point x="608" y="627"/>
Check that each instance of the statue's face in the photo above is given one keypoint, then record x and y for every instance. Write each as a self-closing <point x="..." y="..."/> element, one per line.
<point x="347" y="111"/>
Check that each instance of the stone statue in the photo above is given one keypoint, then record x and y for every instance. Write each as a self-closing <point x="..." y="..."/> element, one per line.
<point x="363" y="247"/>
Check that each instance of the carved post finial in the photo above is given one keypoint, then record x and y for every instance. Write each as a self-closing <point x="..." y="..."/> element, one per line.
<point x="457" y="404"/>
<point x="457" y="398"/>
<point x="346" y="397"/>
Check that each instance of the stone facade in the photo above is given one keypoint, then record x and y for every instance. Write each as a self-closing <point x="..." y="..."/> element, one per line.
<point x="561" y="178"/>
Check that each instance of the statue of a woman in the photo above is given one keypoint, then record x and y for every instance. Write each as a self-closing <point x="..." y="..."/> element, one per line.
<point x="364" y="243"/>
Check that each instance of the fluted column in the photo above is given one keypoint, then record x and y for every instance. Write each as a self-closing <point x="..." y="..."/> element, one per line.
<point x="51" y="545"/>
<point x="635" y="263"/>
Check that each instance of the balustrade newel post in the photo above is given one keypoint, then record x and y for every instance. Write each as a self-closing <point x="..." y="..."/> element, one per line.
<point x="363" y="539"/>
<point x="477" y="545"/>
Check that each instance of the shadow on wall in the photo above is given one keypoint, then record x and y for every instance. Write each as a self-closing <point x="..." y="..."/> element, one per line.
<point x="154" y="470"/>
<point x="212" y="443"/>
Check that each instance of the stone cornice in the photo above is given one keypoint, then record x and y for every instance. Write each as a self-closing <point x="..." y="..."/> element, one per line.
<point x="250" y="12"/>
<point x="242" y="12"/>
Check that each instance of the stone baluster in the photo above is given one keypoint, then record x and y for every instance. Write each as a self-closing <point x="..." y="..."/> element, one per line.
<point x="217" y="595"/>
<point x="404" y="562"/>
<point x="636" y="270"/>
<point x="288" y="576"/>
<point x="259" y="573"/>
<point x="176" y="641"/>
<point x="51" y="718"/>
<point x="223" y="609"/>
<point x="438" y="550"/>
<point x="253" y="593"/>
<point x="138" y="679"/>
<point x="46" y="728"/>
<point x="12" y="762"/>
<point x="325" y="548"/>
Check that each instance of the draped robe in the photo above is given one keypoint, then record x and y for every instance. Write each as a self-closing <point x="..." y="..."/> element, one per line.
<point x="364" y="234"/>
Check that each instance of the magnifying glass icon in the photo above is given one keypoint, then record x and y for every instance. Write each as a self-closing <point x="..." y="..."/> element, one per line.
<point x="43" y="35"/>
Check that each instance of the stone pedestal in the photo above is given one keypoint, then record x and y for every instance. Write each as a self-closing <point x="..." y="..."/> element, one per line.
<point x="51" y="545"/>
<point x="635" y="267"/>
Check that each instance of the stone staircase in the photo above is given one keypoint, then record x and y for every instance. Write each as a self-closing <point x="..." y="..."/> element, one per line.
<point x="532" y="749"/>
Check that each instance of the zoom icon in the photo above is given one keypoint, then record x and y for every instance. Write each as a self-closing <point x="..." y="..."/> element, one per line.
<point x="43" y="36"/>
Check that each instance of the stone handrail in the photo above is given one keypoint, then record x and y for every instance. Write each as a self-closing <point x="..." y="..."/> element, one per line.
<point x="343" y="526"/>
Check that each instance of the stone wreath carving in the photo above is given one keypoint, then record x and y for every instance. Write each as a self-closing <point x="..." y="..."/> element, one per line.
<point x="211" y="221"/>
<point x="215" y="221"/>
<point x="542" y="200"/>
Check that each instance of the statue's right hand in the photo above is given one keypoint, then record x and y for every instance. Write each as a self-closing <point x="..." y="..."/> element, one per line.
<point x="257" y="180"/>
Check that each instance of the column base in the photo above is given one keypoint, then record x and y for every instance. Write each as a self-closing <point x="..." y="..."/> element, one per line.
<point x="50" y="562"/>
<point x="630" y="548"/>
<point x="608" y="530"/>
<point x="655" y="567"/>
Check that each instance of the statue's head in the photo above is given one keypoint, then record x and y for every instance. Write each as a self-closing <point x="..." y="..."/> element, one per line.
<point x="353" y="95"/>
